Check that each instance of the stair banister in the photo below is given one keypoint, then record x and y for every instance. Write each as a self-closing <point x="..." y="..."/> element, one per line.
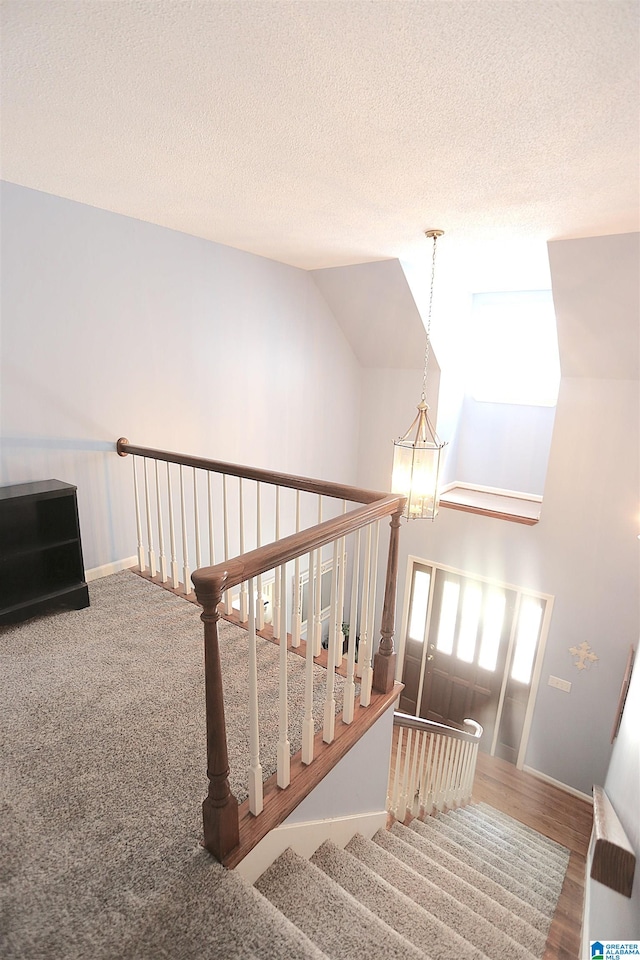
<point x="212" y="583"/>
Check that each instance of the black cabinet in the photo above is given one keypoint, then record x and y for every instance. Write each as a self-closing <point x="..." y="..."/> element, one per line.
<point x="40" y="550"/>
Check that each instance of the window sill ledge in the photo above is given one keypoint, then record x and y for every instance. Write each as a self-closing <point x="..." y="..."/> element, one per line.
<point x="490" y="502"/>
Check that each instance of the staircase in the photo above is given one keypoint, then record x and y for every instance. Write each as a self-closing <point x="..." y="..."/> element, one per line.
<point x="467" y="885"/>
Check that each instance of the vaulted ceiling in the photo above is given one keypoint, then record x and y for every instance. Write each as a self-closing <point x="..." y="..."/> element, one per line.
<point x="333" y="132"/>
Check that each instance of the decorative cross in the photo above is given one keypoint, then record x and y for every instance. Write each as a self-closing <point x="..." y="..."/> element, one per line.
<point x="584" y="654"/>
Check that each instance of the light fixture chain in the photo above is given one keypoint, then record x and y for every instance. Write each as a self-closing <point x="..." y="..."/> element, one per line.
<point x="428" y="343"/>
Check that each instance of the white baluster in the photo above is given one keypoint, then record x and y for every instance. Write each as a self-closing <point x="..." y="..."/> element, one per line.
<point x="341" y="585"/>
<point x="161" y="557"/>
<point x="474" y="760"/>
<point x="426" y="788"/>
<point x="424" y="736"/>
<point x="212" y="553"/>
<point x="467" y="784"/>
<point x="136" y="496"/>
<point x="284" y="749"/>
<point x="393" y="806"/>
<point x="147" y="501"/>
<point x="367" y="668"/>
<point x="196" y="519"/>
<point x="317" y="636"/>
<point x="255" y="769"/>
<point x="175" y="573"/>
<point x="443" y="774"/>
<point x="228" y="599"/>
<point x="244" y="600"/>
<point x="438" y="761"/>
<point x="452" y="773"/>
<point x="349" y="695"/>
<point x="307" y="723"/>
<point x="260" y="610"/>
<point x="364" y="653"/>
<point x="185" y="550"/>
<point x="296" y="618"/>
<point x="275" y="617"/>
<point x="404" y="797"/>
<point x="328" y="732"/>
<point x="411" y="796"/>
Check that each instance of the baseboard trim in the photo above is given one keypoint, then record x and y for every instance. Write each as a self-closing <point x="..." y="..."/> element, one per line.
<point x="95" y="573"/>
<point x="305" y="838"/>
<point x="559" y="784"/>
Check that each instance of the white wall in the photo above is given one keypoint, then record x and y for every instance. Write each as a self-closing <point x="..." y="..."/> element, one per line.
<point x="584" y="551"/>
<point x="113" y="327"/>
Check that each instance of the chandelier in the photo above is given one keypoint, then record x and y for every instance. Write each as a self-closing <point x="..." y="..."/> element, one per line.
<point x="418" y="456"/>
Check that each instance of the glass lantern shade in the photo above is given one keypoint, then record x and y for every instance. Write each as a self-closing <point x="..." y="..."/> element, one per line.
<point x="417" y="462"/>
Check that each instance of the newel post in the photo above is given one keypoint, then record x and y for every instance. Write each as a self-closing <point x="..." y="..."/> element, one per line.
<point x="384" y="662"/>
<point x="220" y="808"/>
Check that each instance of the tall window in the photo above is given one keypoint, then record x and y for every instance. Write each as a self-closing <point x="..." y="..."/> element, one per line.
<point x="515" y="348"/>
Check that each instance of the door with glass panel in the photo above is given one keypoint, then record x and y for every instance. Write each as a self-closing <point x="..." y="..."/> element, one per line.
<point x="470" y="646"/>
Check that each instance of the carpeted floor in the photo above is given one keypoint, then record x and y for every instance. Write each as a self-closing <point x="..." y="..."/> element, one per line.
<point x="103" y="756"/>
<point x="101" y="781"/>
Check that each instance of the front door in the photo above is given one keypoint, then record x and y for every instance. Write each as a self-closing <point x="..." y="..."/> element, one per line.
<point x="469" y="653"/>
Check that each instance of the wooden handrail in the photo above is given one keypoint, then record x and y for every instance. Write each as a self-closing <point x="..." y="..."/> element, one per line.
<point x="613" y="862"/>
<point x="324" y="488"/>
<point x="431" y="726"/>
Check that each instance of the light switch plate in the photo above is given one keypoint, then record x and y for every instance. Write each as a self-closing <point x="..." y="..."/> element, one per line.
<point x="560" y="684"/>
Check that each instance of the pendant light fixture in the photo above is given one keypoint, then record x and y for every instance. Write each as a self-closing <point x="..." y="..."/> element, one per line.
<point x="418" y="455"/>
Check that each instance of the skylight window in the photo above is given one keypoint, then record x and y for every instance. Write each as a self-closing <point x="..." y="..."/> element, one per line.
<point x="514" y="345"/>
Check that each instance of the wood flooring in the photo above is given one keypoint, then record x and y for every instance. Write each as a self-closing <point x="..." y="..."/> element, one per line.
<point x="556" y="814"/>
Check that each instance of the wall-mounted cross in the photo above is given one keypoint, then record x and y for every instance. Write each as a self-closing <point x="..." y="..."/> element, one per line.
<point x="584" y="654"/>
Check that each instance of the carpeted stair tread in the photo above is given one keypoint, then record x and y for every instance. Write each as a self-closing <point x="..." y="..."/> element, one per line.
<point x="498" y="816"/>
<point x="334" y="920"/>
<point x="487" y="865"/>
<point x="499" y="916"/>
<point x="511" y="867"/>
<point x="522" y="850"/>
<point x="535" y="843"/>
<point x="212" y="913"/>
<point x="477" y="930"/>
<point x="462" y="869"/>
<point x="397" y="910"/>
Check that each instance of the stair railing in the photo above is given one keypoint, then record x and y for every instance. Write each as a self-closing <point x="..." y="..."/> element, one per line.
<point x="197" y="491"/>
<point x="434" y="766"/>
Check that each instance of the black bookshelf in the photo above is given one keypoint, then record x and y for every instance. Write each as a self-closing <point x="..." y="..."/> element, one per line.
<point x="40" y="550"/>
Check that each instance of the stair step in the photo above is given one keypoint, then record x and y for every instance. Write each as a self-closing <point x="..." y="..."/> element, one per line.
<point x="397" y="910"/>
<point x="499" y="916"/>
<point x="329" y="916"/>
<point x="494" y="865"/>
<point x="497" y="816"/>
<point x="510" y="845"/>
<point x="496" y="944"/>
<point x="462" y="869"/>
<point x="226" y="918"/>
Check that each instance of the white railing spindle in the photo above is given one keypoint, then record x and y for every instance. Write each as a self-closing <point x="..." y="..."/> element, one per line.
<point x="275" y="618"/>
<point x="284" y="749"/>
<point x="328" y="732"/>
<point x="161" y="557"/>
<point x="147" y="502"/>
<point x="185" y="547"/>
<point x="175" y="570"/>
<point x="307" y="723"/>
<point x="296" y="606"/>
<point x="196" y="520"/>
<point x="212" y="552"/>
<point x="136" y="494"/>
<point x="349" y="694"/>
<point x="317" y="619"/>
<point x="255" y="769"/>
<point x="260" y="611"/>
<point x="244" y="602"/>
<point x="228" y="599"/>
<point x="364" y="652"/>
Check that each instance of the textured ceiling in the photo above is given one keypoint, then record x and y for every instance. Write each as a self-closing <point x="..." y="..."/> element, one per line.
<point x="331" y="132"/>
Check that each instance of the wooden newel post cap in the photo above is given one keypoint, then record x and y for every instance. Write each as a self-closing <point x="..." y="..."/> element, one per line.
<point x="208" y="589"/>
